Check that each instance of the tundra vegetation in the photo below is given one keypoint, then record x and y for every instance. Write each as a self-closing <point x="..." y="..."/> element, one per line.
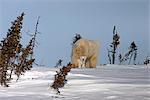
<point x="60" y="77"/>
<point x="113" y="46"/>
<point x="14" y="58"/>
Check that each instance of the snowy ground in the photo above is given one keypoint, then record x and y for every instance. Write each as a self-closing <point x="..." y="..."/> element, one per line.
<point x="112" y="82"/>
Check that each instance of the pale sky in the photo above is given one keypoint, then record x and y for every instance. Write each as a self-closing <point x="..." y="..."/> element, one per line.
<point x="93" y="19"/>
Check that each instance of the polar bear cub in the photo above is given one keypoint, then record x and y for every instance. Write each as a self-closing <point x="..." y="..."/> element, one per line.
<point x="81" y="62"/>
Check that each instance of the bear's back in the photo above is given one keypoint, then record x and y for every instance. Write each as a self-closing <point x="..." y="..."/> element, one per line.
<point x="90" y="45"/>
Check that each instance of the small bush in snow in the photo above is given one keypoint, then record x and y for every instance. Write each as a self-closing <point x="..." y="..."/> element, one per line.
<point x="60" y="77"/>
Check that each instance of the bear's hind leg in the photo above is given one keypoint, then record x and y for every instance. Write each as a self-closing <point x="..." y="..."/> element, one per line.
<point x="93" y="61"/>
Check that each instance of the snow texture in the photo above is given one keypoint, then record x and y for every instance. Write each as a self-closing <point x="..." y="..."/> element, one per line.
<point x="110" y="82"/>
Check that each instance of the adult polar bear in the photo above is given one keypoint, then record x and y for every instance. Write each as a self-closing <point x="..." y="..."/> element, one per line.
<point x="85" y="53"/>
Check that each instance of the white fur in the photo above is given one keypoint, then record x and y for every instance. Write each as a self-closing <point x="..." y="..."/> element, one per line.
<point x="81" y="61"/>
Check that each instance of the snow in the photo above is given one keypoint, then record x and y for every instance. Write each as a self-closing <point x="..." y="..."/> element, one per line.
<point x="110" y="82"/>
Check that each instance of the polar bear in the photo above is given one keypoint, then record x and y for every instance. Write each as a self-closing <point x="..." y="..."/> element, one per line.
<point x="85" y="53"/>
<point x="81" y="61"/>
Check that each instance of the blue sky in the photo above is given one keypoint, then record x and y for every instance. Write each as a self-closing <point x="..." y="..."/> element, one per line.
<point x="93" y="19"/>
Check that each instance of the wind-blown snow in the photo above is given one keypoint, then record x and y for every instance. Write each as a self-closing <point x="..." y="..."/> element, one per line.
<point x="111" y="82"/>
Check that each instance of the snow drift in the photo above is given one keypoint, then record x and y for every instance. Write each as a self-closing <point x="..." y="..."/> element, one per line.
<point x="111" y="82"/>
